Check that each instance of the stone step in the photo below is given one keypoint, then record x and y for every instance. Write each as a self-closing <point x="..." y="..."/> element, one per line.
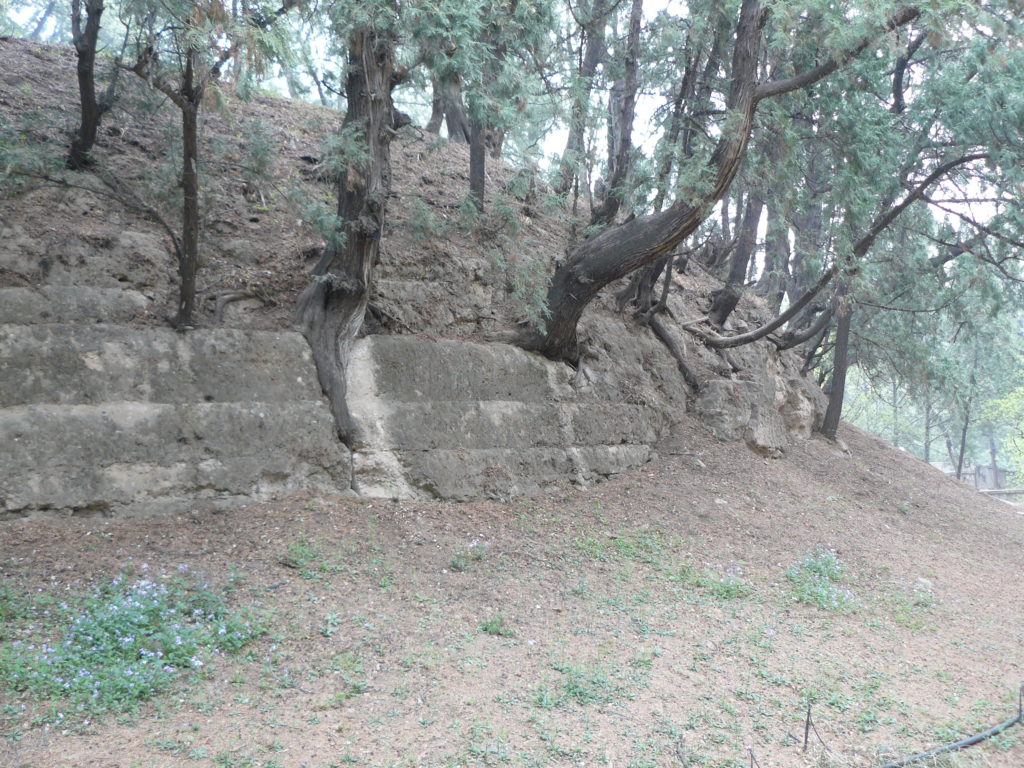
<point x="489" y="472"/>
<point x="69" y="304"/>
<point x="121" y="456"/>
<point x="411" y="369"/>
<point x="63" y="363"/>
<point x="429" y="425"/>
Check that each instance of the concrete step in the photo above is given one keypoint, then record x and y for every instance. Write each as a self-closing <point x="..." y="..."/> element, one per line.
<point x="69" y="304"/>
<point x="119" y="456"/>
<point x="411" y="369"/>
<point x="65" y="363"/>
<point x="489" y="472"/>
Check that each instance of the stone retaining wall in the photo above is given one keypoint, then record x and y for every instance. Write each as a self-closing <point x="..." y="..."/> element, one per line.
<point x="114" y="419"/>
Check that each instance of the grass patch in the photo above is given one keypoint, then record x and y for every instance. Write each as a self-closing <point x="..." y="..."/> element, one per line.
<point x="721" y="585"/>
<point x="580" y="684"/>
<point x="122" y="643"/>
<point x="642" y="547"/>
<point x="461" y="561"/>
<point x="912" y="609"/>
<point x="496" y="626"/>
<point x="818" y="579"/>
<point x="308" y="559"/>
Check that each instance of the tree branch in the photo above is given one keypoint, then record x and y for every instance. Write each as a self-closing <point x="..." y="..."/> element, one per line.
<point x="776" y="87"/>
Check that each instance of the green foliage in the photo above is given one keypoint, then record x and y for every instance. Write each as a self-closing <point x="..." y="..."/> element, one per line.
<point x="496" y="626"/>
<point x="581" y="684"/>
<point x="1009" y="410"/>
<point x="422" y="222"/>
<point x="122" y="643"/>
<point x="26" y="157"/>
<point x="817" y="579"/>
<point x="462" y="560"/>
<point x="259" y="146"/>
<point x="321" y="214"/>
<point x="724" y="586"/>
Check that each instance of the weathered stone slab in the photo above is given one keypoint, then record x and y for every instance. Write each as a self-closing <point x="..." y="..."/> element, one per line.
<point x="66" y="363"/>
<point x="69" y="304"/>
<point x="595" y="423"/>
<point x="460" y="420"/>
<point x="103" y="457"/>
<point x="411" y="369"/>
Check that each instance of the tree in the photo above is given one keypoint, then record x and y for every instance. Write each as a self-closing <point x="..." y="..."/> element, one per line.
<point x="85" y="42"/>
<point x="181" y="50"/>
<point x="592" y="21"/>
<point x="620" y="250"/>
<point x="332" y="306"/>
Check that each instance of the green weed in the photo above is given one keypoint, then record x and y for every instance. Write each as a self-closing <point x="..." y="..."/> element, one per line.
<point x="817" y="579"/>
<point x="496" y="626"/>
<point x="123" y="643"/>
<point x="461" y="561"/>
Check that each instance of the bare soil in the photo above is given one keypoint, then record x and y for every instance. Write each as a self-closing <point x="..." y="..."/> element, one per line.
<point x="619" y="657"/>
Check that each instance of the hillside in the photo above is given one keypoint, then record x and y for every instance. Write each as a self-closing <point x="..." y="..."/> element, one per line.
<point x="679" y="613"/>
<point x="650" y="620"/>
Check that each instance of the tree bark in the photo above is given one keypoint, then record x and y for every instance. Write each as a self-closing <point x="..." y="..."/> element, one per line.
<point x="436" y="108"/>
<point x="834" y="412"/>
<point x="332" y="306"/>
<point x="446" y="101"/>
<point x="725" y="299"/>
<point x="963" y="440"/>
<point x="622" y="110"/>
<point x="189" y="263"/>
<point x="92" y="109"/>
<point x="772" y="283"/>
<point x="593" y="53"/>
<point x="477" y="164"/>
<point x="928" y="429"/>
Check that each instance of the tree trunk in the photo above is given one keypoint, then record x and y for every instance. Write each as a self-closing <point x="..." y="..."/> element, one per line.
<point x="189" y="264"/>
<point x="455" y="119"/>
<point x="772" y="283"/>
<point x="593" y="53"/>
<point x="37" y="31"/>
<point x="725" y="299"/>
<point x="436" y="108"/>
<point x="834" y="412"/>
<point x="671" y="139"/>
<point x="928" y="430"/>
<point x="963" y="440"/>
<point x="895" y="414"/>
<point x="992" y="455"/>
<point x="332" y="306"/>
<point x="477" y="164"/>
<point x="92" y="109"/>
<point x="622" y="110"/>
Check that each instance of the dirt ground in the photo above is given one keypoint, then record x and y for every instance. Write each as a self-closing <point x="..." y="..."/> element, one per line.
<point x="618" y="657"/>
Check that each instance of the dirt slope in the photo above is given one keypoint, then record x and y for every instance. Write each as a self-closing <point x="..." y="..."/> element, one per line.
<point x="653" y="622"/>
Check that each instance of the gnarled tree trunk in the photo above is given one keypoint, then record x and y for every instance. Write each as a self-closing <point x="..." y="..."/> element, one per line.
<point x="92" y="108"/>
<point x="840" y="365"/>
<point x="332" y="306"/>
